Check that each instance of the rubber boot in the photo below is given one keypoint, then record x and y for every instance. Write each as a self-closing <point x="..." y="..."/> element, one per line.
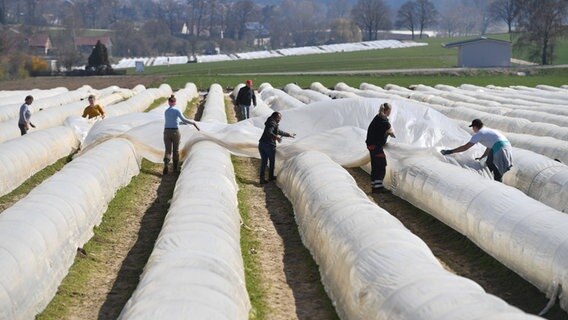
<point x="176" y="166"/>
<point x="166" y="161"/>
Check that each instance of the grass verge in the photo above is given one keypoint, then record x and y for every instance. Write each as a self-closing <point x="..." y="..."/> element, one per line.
<point x="115" y="223"/>
<point x="156" y="104"/>
<point x="249" y="244"/>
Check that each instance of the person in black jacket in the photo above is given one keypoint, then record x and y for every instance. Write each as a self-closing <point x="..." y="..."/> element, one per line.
<point x="246" y="98"/>
<point x="267" y="145"/>
<point x="377" y="133"/>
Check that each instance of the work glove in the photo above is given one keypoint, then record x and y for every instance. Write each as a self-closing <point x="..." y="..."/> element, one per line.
<point x="446" y="152"/>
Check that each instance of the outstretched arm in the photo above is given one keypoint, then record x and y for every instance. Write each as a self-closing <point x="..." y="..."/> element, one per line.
<point x="458" y="149"/>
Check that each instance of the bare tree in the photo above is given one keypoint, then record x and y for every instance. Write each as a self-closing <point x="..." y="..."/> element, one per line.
<point x="273" y="18"/>
<point x="427" y="15"/>
<point x="338" y="9"/>
<point x="371" y="16"/>
<point x="482" y="13"/>
<point x="506" y="10"/>
<point x="407" y="16"/>
<point x="344" y="30"/>
<point x="198" y="11"/>
<point x="31" y="11"/>
<point x="541" y="26"/>
<point x="2" y="11"/>
<point x="132" y="43"/>
<point x="241" y="13"/>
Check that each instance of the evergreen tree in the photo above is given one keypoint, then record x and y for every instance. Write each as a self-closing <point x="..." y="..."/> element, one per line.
<point x="98" y="60"/>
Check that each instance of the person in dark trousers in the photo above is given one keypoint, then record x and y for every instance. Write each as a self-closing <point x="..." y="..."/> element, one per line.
<point x="171" y="133"/>
<point x="267" y="145"/>
<point x="497" y="149"/>
<point x="246" y="98"/>
<point x="377" y="133"/>
<point x="25" y="115"/>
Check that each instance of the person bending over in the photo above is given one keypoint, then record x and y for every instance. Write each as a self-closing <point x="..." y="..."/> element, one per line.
<point x="497" y="149"/>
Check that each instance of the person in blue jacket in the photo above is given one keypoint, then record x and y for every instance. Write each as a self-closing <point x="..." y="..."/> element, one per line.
<point x="171" y="133"/>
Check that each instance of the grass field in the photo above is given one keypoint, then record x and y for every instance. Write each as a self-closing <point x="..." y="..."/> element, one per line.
<point x="431" y="56"/>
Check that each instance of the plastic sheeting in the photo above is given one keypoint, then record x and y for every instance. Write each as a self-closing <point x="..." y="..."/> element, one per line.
<point x="196" y="269"/>
<point x="341" y="47"/>
<point x="17" y="96"/>
<point x="145" y="130"/>
<point x="525" y="235"/>
<point x="40" y="234"/>
<point x="56" y="116"/>
<point x="538" y="176"/>
<point x="12" y="111"/>
<point x="22" y="158"/>
<point x="141" y="101"/>
<point x="316" y="86"/>
<point x="277" y="99"/>
<point x="214" y="109"/>
<point x="304" y="95"/>
<point x="372" y="267"/>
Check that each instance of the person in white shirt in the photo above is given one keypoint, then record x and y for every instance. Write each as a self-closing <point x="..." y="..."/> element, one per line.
<point x="498" y="149"/>
<point x="24" y="121"/>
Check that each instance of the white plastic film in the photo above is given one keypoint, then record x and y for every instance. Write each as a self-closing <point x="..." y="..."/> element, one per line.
<point x="371" y="266"/>
<point x="196" y="269"/>
<point x="525" y="235"/>
<point x="40" y="234"/>
<point x="56" y="116"/>
<point x="21" y="158"/>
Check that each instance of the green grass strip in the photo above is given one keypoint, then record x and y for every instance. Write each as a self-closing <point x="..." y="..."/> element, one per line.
<point x="114" y="222"/>
<point x="191" y="107"/>
<point x="249" y="244"/>
<point x="156" y="104"/>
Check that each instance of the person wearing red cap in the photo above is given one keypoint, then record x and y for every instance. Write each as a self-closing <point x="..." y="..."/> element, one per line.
<point x="246" y="98"/>
<point x="498" y="149"/>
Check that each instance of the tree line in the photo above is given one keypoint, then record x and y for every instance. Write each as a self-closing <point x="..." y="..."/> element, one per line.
<point x="190" y="27"/>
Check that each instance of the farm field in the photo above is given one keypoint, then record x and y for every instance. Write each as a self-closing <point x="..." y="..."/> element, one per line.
<point x="285" y="236"/>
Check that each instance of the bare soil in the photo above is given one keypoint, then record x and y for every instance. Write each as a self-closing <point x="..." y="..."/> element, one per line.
<point x="120" y="264"/>
<point x="290" y="277"/>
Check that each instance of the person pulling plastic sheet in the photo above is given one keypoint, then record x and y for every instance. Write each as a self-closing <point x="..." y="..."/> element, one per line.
<point x="93" y="110"/>
<point x="377" y="134"/>
<point x="246" y="98"/>
<point x="171" y="133"/>
<point x="498" y="149"/>
<point x="267" y="145"/>
<point x="25" y="115"/>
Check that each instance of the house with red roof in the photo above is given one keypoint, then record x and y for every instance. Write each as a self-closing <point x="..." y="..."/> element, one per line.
<point x="40" y="44"/>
